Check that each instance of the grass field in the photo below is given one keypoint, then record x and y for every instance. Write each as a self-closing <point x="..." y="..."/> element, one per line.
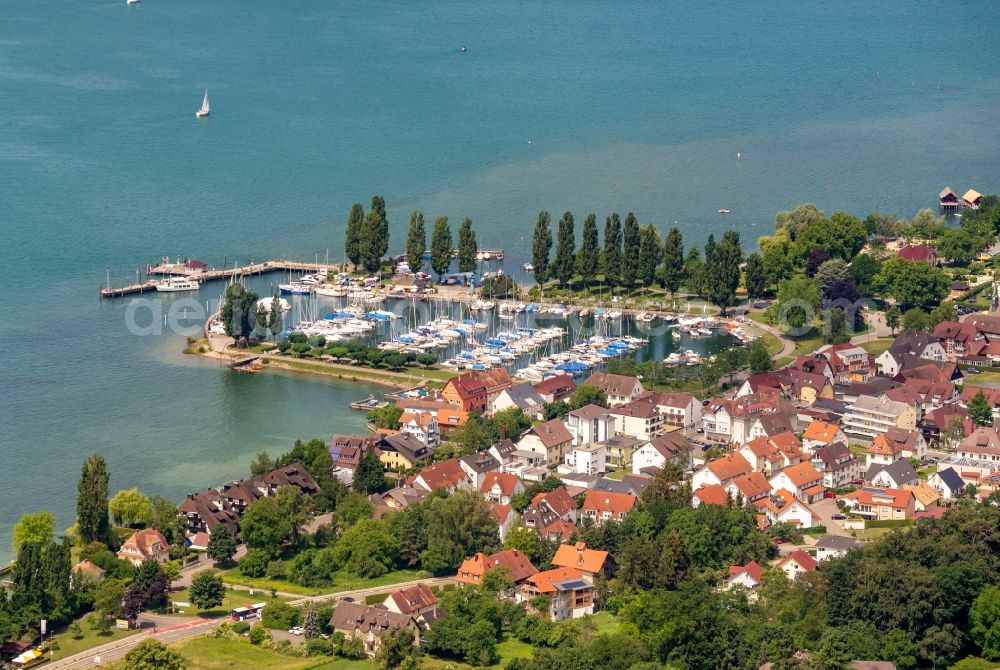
<point x="67" y="646"/>
<point x="876" y="347"/>
<point x="342" y="581"/>
<point x="206" y="653"/>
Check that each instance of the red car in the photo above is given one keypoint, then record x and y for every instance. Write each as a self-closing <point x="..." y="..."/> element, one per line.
<point x="829" y="494"/>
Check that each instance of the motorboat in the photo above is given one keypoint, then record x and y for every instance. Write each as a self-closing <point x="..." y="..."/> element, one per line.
<point x="330" y="291"/>
<point x="723" y="211"/>
<point x="528" y="267"/>
<point x="295" y="288"/>
<point x="175" y="284"/>
<point x="205" y="108"/>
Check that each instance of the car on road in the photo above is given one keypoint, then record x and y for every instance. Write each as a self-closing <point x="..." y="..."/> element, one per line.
<point x="297" y="630"/>
<point x="837" y="517"/>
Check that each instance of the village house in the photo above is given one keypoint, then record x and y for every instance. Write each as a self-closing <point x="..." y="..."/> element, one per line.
<point x="670" y="447"/>
<point x="505" y="517"/>
<point x="589" y="562"/>
<point x="447" y="475"/>
<point x="959" y="340"/>
<point x="972" y="199"/>
<point x="500" y="487"/>
<point x="806" y="387"/>
<point x="524" y="397"/>
<point x="412" y="600"/>
<point x="837" y="463"/>
<point x="796" y="564"/>
<point x="918" y="253"/>
<point x="730" y="420"/>
<point x="983" y="445"/>
<point x="585" y="459"/>
<point x="992" y="396"/>
<point x="924" y="395"/>
<point x="896" y="444"/>
<point x="205" y="510"/>
<point x="869" y="416"/>
<point x="948" y="199"/>
<point x="711" y="494"/>
<point x="909" y="343"/>
<point x="769" y="456"/>
<point x="620" y="389"/>
<point x="835" y="546"/>
<point x="552" y="515"/>
<point x="783" y="507"/>
<point x="570" y="596"/>
<point x="802" y="479"/>
<point x="746" y="576"/>
<point x="639" y="418"/>
<point x="475" y="568"/>
<point x="721" y="471"/>
<point x="84" y="573"/>
<point x="820" y="434"/>
<point x="551" y="439"/>
<point x="401" y="451"/>
<point x="395" y="499"/>
<point x="448" y="416"/>
<point x="948" y="483"/>
<point x="881" y="504"/>
<point x="749" y="488"/>
<point x="475" y="391"/>
<point x="370" y="624"/>
<point x="145" y="544"/>
<point x="600" y="506"/>
<point x="619" y="450"/>
<point x="346" y="452"/>
<point x="924" y="497"/>
<point x="774" y="426"/>
<point x="895" y="475"/>
<point x="478" y="466"/>
<point x="423" y="426"/>
<point x="590" y="423"/>
<point x="848" y="363"/>
<point x="556" y="388"/>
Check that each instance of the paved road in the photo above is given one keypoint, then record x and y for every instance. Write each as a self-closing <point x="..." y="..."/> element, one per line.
<point x="171" y="629"/>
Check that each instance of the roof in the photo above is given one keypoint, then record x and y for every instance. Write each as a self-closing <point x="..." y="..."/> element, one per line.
<point x="406" y="445"/>
<point x="588" y="412"/>
<point x="552" y="433"/>
<point x="481" y="462"/>
<point x="514" y="560"/>
<point x="559" y="385"/>
<point x="549" y="581"/>
<point x="899" y="498"/>
<point x="506" y="482"/>
<point x="580" y="557"/>
<point x="915" y="252"/>
<point x="911" y="342"/>
<point x="729" y="466"/>
<point x="946" y="191"/>
<point x="413" y="598"/>
<point x="86" y="567"/>
<point x="972" y="195"/>
<point x="351" y="616"/>
<point x="644" y="407"/>
<point x="924" y="494"/>
<point x="614" y="384"/>
<point x="525" y="396"/>
<point x="837" y="542"/>
<point x="983" y="440"/>
<point x="900" y="471"/>
<point x="820" y="431"/>
<point x="472" y="384"/>
<point x="443" y="475"/>
<point x="618" y="504"/>
<point x="670" y="445"/>
<point x="751" y="569"/>
<point x="679" y="400"/>
<point x="143" y="541"/>
<point x="881" y="405"/>
<point x="805" y="561"/>
<point x="558" y="500"/>
<point x="802" y="473"/>
<point x="500" y="512"/>
<point x="951" y="479"/>
<point x="752" y="485"/>
<point x="713" y="494"/>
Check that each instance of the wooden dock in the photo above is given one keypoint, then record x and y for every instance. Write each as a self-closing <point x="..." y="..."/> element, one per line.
<point x="201" y="275"/>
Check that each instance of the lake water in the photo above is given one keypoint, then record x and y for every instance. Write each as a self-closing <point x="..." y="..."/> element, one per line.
<point x="315" y="104"/>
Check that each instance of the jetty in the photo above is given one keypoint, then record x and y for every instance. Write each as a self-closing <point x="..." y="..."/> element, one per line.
<point x="200" y="273"/>
<point x="248" y="364"/>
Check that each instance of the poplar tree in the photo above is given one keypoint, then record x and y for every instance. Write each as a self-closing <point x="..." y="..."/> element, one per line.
<point x="755" y="277"/>
<point x="565" y="249"/>
<point x="673" y="261"/>
<point x="589" y="254"/>
<point x="612" y="250"/>
<point x="467" y="247"/>
<point x="541" y="244"/>
<point x="710" y="248"/>
<point x="630" y="249"/>
<point x="374" y="235"/>
<point x="724" y="270"/>
<point x="416" y="241"/>
<point x="352" y="243"/>
<point x="650" y="253"/>
<point x="275" y="320"/>
<point x="92" y="501"/>
<point x="441" y="246"/>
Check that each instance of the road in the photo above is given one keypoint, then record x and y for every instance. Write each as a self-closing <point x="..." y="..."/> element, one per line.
<point x="172" y="629"/>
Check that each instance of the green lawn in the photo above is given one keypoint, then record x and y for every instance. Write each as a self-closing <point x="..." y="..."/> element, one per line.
<point x="876" y="347"/>
<point x="207" y="653"/>
<point x="987" y="375"/>
<point x="605" y="622"/>
<point x="617" y="474"/>
<point x="233" y="598"/>
<point x="65" y="645"/>
<point x="342" y="581"/>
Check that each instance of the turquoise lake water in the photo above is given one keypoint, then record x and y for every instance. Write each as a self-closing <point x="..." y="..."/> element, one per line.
<point x="315" y="104"/>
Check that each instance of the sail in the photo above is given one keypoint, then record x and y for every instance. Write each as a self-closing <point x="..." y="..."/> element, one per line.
<point x="204" y="103"/>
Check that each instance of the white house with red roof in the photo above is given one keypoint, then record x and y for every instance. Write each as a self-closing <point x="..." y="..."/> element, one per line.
<point x="802" y="479"/>
<point x="447" y="475"/>
<point x="423" y="426"/>
<point x="747" y="576"/>
<point x="500" y="487"/>
<point x="796" y="564"/>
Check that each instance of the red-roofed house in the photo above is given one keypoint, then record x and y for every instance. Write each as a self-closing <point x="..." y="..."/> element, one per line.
<point x="783" y="507"/>
<point x="505" y="516"/>
<point x="476" y="390"/>
<point x="500" y="487"/>
<point x="590" y="562"/>
<point x="603" y="506"/>
<point x="713" y="494"/>
<point x="143" y="544"/>
<point x="747" y="576"/>
<point x="550" y="439"/>
<point x="475" y="568"/>
<point x="414" y="600"/>
<point x="423" y="426"/>
<point x="721" y="471"/>
<point x="447" y="475"/>
<point x="570" y="595"/>
<point x="819" y="434"/>
<point x="797" y="563"/>
<point x="555" y="388"/>
<point x="918" y="253"/>
<point x="751" y="487"/>
<point x="882" y="504"/>
<point x="802" y="479"/>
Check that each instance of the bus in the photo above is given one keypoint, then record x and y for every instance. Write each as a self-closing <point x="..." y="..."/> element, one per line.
<point x="248" y="612"/>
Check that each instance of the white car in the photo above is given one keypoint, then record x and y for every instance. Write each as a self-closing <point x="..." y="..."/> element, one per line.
<point x="298" y="630"/>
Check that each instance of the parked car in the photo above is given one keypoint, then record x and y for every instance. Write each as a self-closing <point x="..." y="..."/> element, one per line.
<point x="829" y="494"/>
<point x="297" y="630"/>
<point x="971" y="371"/>
<point x="777" y="540"/>
<point x="857" y="482"/>
<point x="837" y="517"/>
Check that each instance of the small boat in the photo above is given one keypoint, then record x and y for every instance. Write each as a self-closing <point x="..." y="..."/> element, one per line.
<point x="175" y="284"/>
<point x="330" y="291"/>
<point x="295" y="288"/>
<point x="205" y="108"/>
<point x="463" y="49"/>
<point x="528" y="267"/>
<point x="723" y="211"/>
<point x="131" y="2"/>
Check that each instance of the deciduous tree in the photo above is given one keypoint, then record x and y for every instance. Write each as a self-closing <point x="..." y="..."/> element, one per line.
<point x="130" y="507"/>
<point x="151" y="654"/>
<point x="755" y="277"/>
<point x="541" y="244"/>
<point x="673" y="261"/>
<point x="589" y="254"/>
<point x="416" y="241"/>
<point x="352" y="242"/>
<point x="565" y="249"/>
<point x="467" y="247"/>
<point x="92" y="500"/>
<point x="35" y="528"/>
<point x="207" y="590"/>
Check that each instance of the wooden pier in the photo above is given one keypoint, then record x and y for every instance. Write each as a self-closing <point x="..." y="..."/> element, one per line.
<point x="202" y="275"/>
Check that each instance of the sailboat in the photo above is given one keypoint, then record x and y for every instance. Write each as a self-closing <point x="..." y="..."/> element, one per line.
<point x="204" y="109"/>
<point x="131" y="2"/>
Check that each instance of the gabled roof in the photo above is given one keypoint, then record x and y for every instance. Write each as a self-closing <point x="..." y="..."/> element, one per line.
<point x="675" y="399"/>
<point x="900" y="471"/>
<point x="752" y="485"/>
<point x="552" y="433"/>
<point x="897" y="498"/>
<point x="580" y="557"/>
<point x="481" y="462"/>
<point x="805" y="561"/>
<point x="406" y="445"/>
<point x="558" y="500"/>
<point x="145" y="540"/>
<point x="951" y="479"/>
<point x="924" y="494"/>
<point x="751" y="570"/>
<point x="821" y="431"/>
<point x="559" y="385"/>
<point x="838" y="542"/>
<point x="550" y="580"/>
<point x="670" y="445"/>
<point x="643" y="407"/>
<point x="617" y="504"/>
<point x="352" y="616"/>
<point x="802" y="474"/>
<point x="911" y="342"/>
<point x="713" y="494"/>
<point x="729" y="466"/>
<point x="413" y="598"/>
<point x="506" y="482"/>
<point x="612" y="384"/>
<point x="525" y="397"/>
<point x="513" y="559"/>
<point x="983" y="440"/>
<point x="915" y="252"/>
<point x="443" y="475"/>
<point x="834" y="456"/>
<point x="972" y="196"/>
<point x="588" y="412"/>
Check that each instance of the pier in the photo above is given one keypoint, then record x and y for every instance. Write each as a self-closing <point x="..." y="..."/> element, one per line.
<point x="201" y="274"/>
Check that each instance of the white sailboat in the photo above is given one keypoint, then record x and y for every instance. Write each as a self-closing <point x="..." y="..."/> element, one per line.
<point x="204" y="109"/>
<point x="131" y="2"/>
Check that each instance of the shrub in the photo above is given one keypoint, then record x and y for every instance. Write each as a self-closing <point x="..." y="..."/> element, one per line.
<point x="259" y="634"/>
<point x="240" y="627"/>
<point x="255" y="563"/>
<point x="279" y="616"/>
<point x="284" y="346"/>
<point x="276" y="570"/>
<point x="319" y="647"/>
